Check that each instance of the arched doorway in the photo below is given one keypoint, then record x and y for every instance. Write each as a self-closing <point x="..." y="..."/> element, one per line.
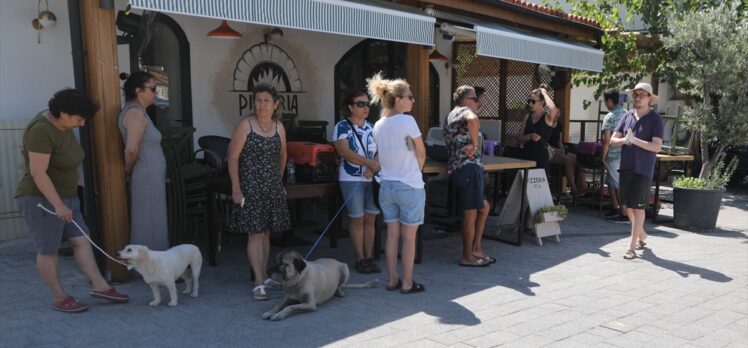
<point x="370" y="57"/>
<point x="169" y="49"/>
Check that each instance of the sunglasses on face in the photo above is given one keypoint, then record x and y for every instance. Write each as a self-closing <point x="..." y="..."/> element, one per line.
<point x="152" y="88"/>
<point x="532" y="101"/>
<point x="361" y="104"/>
<point x="475" y="99"/>
<point x="411" y="97"/>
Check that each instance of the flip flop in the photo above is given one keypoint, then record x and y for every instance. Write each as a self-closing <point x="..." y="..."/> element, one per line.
<point x="489" y="259"/>
<point x="479" y="262"/>
<point x="417" y="287"/>
<point x="397" y="286"/>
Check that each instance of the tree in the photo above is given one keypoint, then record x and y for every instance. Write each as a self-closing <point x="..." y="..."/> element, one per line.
<point x="630" y="53"/>
<point x="707" y="58"/>
<point x="704" y="56"/>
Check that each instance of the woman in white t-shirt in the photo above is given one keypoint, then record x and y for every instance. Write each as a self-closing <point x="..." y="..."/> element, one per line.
<point x="401" y="196"/>
<point x="354" y="141"/>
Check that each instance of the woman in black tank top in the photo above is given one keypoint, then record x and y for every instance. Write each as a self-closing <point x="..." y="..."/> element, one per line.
<point x="538" y="126"/>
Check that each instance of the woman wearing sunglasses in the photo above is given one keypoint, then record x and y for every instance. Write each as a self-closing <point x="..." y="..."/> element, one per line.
<point x="538" y="126"/>
<point x="354" y="141"/>
<point x="145" y="164"/>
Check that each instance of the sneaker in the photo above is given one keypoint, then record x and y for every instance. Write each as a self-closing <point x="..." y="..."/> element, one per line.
<point x="620" y="220"/>
<point x="111" y="295"/>
<point x="70" y="305"/>
<point x="373" y="266"/>
<point x="363" y="267"/>
<point x="612" y="214"/>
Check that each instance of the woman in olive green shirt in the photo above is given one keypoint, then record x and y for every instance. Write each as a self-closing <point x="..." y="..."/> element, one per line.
<point x="51" y="179"/>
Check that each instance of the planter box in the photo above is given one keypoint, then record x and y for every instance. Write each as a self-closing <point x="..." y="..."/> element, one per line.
<point x="697" y="209"/>
<point x="551" y="217"/>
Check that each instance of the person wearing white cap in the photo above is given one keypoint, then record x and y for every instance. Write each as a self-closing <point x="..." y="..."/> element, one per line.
<point x="639" y="132"/>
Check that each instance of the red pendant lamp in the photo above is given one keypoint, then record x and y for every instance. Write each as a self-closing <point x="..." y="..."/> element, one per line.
<point x="224" y="31"/>
<point x="435" y="55"/>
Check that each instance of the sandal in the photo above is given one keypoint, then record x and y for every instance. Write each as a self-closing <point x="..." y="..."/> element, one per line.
<point x="272" y="284"/>
<point x="479" y="262"/>
<point x="396" y="286"/>
<point x="417" y="287"/>
<point x="259" y="293"/>
<point x="70" y="305"/>
<point x="629" y="255"/>
<point x="640" y="245"/>
<point x="488" y="259"/>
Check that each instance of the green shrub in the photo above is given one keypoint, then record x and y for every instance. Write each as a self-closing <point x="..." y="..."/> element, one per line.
<point x="717" y="179"/>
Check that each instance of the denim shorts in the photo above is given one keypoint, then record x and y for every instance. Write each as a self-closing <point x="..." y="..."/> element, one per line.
<point x="362" y="199"/>
<point x="402" y="202"/>
<point x="469" y="182"/>
<point x="612" y="176"/>
<point x="46" y="230"/>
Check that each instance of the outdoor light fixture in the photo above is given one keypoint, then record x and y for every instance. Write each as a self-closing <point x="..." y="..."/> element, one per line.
<point x="273" y="32"/>
<point x="44" y="19"/>
<point x="224" y="31"/>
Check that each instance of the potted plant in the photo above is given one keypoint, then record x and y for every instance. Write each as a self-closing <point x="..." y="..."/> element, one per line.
<point x="697" y="201"/>
<point x="707" y="62"/>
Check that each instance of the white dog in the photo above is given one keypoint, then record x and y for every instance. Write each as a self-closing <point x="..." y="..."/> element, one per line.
<point x="165" y="267"/>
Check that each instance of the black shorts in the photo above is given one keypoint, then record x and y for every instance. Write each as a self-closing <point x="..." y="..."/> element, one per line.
<point x="634" y="189"/>
<point x="468" y="183"/>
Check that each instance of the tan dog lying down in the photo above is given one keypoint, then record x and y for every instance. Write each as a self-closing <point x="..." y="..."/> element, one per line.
<point x="165" y="267"/>
<point x="307" y="284"/>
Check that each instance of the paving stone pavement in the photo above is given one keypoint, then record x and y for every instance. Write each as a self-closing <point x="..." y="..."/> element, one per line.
<point x="686" y="290"/>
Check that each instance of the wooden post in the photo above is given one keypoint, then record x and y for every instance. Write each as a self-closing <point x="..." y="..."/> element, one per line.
<point x="418" y="78"/>
<point x="102" y="71"/>
<point x="563" y="103"/>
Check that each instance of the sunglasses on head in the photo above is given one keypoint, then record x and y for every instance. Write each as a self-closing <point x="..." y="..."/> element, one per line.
<point x="361" y="104"/>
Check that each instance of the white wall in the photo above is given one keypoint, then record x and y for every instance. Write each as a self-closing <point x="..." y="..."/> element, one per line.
<point x="30" y="73"/>
<point x="216" y="107"/>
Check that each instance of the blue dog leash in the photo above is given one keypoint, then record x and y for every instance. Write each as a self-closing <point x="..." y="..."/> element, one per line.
<point x="332" y="221"/>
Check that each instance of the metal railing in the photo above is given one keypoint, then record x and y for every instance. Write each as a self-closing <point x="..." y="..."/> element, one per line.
<point x="584" y="130"/>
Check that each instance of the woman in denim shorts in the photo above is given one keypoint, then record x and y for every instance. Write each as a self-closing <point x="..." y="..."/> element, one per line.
<point x="401" y="196"/>
<point x="354" y="141"/>
<point x="52" y="156"/>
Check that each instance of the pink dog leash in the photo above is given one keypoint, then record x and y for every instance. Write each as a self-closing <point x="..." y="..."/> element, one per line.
<point x="86" y="235"/>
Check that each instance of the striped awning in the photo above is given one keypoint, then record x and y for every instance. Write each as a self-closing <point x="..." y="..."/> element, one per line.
<point x="495" y="40"/>
<point x="327" y="16"/>
<point x="502" y="42"/>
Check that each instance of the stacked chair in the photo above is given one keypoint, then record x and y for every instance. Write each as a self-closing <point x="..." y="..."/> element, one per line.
<point x="186" y="189"/>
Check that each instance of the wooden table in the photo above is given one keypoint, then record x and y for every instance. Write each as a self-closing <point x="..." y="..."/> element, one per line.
<point x="490" y="164"/>
<point x="222" y="185"/>
<point x="655" y="208"/>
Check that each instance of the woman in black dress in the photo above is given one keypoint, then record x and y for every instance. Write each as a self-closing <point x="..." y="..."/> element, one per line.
<point x="257" y="160"/>
<point x="538" y="125"/>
